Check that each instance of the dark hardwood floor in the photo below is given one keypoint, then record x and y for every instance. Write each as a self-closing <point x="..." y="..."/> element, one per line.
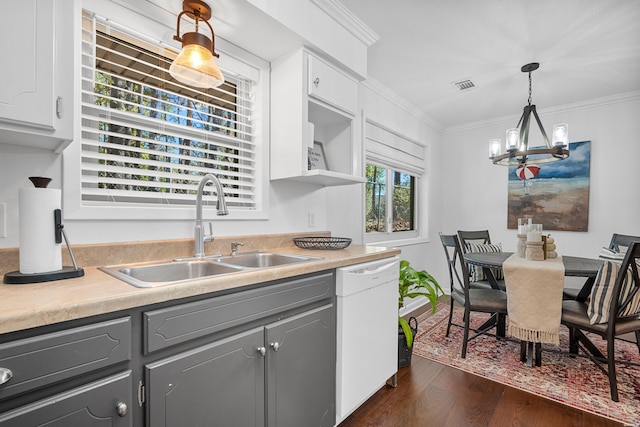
<point x="432" y="394"/>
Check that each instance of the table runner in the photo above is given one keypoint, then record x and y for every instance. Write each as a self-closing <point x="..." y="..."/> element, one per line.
<point x="534" y="298"/>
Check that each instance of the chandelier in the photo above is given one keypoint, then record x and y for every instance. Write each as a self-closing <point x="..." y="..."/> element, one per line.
<point x="517" y="139"/>
<point x="195" y="66"/>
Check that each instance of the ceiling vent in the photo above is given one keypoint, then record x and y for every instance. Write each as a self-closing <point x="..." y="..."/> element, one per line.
<point x="463" y="85"/>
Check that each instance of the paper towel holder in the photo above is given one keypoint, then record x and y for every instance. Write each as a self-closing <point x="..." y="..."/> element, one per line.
<point x="17" y="278"/>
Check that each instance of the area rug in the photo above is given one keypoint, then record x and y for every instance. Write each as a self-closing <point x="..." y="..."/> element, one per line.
<point x="575" y="382"/>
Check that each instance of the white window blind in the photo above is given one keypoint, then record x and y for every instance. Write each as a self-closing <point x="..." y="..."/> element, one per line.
<point x="146" y="138"/>
<point x="393" y="150"/>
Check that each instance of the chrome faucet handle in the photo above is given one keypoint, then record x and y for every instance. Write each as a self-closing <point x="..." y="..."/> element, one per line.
<point x="234" y="248"/>
<point x="209" y="237"/>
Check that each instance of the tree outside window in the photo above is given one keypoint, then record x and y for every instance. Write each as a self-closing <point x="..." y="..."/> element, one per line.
<point x="387" y="187"/>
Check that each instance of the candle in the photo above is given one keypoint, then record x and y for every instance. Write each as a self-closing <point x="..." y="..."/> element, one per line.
<point x="534" y="236"/>
<point x="535" y="233"/>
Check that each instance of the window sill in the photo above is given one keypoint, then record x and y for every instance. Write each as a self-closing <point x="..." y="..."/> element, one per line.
<point x="400" y="242"/>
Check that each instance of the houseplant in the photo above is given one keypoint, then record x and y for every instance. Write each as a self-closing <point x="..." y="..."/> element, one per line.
<point x="411" y="284"/>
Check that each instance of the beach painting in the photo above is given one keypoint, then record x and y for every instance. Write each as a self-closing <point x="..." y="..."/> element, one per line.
<point x="556" y="195"/>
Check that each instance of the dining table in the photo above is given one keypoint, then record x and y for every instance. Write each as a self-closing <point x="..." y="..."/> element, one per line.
<point x="573" y="267"/>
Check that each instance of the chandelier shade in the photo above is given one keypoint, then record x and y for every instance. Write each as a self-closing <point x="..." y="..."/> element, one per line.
<point x="517" y="139"/>
<point x="195" y="65"/>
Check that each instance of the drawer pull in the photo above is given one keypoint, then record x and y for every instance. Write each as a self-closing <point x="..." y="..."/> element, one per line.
<point x="122" y="409"/>
<point x="316" y="82"/>
<point x="262" y="351"/>
<point x="5" y="375"/>
<point x="275" y="346"/>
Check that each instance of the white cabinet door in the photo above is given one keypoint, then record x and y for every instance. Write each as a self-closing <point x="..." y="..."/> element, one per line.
<point x="330" y="85"/>
<point x="32" y="96"/>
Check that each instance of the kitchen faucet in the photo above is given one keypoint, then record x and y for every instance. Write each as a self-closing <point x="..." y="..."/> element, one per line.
<point x="221" y="206"/>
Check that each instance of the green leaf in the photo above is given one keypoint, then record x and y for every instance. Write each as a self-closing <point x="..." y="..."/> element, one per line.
<point x="408" y="335"/>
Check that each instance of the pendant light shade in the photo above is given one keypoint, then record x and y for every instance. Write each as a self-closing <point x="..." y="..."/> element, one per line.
<point x="195" y="65"/>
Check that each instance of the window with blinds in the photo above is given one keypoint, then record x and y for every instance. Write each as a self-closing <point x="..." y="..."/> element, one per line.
<point x="147" y="139"/>
<point x="394" y="169"/>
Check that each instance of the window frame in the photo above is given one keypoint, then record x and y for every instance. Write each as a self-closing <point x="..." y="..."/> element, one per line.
<point x="389" y="235"/>
<point x="232" y="60"/>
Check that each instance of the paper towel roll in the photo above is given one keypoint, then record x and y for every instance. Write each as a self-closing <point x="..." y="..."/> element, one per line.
<point x="39" y="252"/>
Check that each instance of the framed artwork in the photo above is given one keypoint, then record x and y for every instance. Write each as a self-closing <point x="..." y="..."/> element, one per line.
<point x="317" y="159"/>
<point x="554" y="194"/>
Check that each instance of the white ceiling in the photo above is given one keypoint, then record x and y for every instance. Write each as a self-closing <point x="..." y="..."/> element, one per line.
<point x="587" y="49"/>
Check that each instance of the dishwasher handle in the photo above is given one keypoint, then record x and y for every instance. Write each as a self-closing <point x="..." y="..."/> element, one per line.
<point x="372" y="270"/>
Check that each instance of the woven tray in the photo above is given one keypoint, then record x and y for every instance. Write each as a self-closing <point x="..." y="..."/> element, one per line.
<point x="322" y="242"/>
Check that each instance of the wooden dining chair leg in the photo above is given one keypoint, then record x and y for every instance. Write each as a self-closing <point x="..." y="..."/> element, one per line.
<point x="501" y="325"/>
<point x="538" y="354"/>
<point x="613" y="383"/>
<point x="523" y="351"/>
<point x="450" y="316"/>
<point x="573" y="341"/>
<point x="465" y="339"/>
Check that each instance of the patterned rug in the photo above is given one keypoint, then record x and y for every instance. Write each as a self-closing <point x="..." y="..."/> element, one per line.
<point x="576" y="382"/>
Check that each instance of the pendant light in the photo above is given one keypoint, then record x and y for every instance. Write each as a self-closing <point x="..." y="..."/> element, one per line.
<point x="517" y="139"/>
<point x="195" y="66"/>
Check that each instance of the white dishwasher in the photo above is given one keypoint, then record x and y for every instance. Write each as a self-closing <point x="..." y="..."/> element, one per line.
<point x="367" y="330"/>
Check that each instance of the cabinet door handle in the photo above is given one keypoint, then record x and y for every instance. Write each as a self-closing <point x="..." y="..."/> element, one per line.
<point x="275" y="346"/>
<point x="5" y="375"/>
<point x="262" y="351"/>
<point x="122" y="409"/>
<point x="316" y="82"/>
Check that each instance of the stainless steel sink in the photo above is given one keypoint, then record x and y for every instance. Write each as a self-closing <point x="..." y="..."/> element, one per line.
<point x="263" y="259"/>
<point x="167" y="273"/>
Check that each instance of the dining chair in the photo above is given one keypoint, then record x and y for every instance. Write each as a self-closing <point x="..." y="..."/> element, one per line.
<point x="493" y="301"/>
<point x="613" y="310"/>
<point x="624" y="240"/>
<point x="618" y="243"/>
<point x="476" y="236"/>
<point x="480" y="241"/>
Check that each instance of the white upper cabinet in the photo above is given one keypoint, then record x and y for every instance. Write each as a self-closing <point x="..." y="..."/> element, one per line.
<point x="36" y="88"/>
<point x="314" y="122"/>
<point x="331" y="86"/>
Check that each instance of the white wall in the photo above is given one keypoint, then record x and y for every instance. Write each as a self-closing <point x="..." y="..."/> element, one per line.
<point x="392" y="113"/>
<point x="476" y="190"/>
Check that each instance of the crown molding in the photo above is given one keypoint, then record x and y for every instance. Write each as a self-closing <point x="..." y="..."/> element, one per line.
<point x="383" y="91"/>
<point x="582" y="105"/>
<point x="348" y="20"/>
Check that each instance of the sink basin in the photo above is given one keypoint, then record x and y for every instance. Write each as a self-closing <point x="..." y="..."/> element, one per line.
<point x="263" y="259"/>
<point x="152" y="275"/>
<point x="168" y="273"/>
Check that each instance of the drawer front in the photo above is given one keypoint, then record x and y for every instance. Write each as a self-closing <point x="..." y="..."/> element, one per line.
<point x="107" y="402"/>
<point x="332" y="86"/>
<point x="169" y="326"/>
<point x="45" y="359"/>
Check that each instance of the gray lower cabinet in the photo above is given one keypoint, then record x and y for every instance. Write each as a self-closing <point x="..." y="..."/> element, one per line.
<point x="301" y="370"/>
<point x="48" y="361"/>
<point x="220" y="384"/>
<point x="101" y="403"/>
<point x="282" y="374"/>
<point x="262" y="356"/>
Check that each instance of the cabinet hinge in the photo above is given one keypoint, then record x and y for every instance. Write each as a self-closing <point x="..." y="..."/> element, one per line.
<point x="140" y="393"/>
